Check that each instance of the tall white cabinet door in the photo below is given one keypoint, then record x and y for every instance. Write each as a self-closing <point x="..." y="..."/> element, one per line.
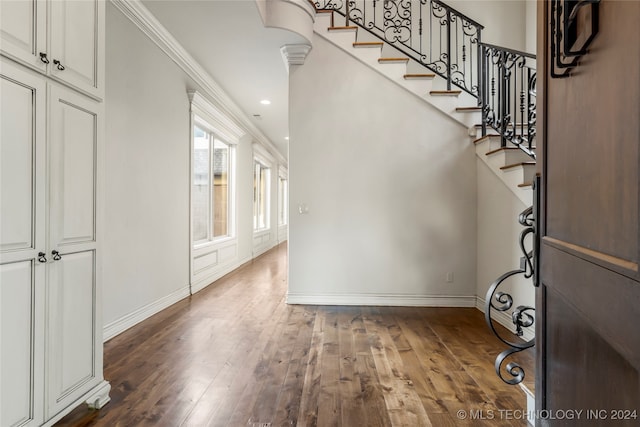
<point x="72" y="365"/>
<point x="23" y="26"/>
<point x="22" y="238"/>
<point x="77" y="43"/>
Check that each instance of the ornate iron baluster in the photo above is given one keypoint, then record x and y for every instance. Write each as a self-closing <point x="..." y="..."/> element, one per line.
<point x="511" y="81"/>
<point x="500" y="301"/>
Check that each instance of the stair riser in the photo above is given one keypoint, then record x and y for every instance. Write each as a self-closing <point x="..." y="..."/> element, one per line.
<point x="521" y="174"/>
<point x="509" y="157"/>
<point x="322" y="22"/>
<point x="468" y="119"/>
<point x="368" y="55"/>
<point x="395" y="71"/>
<point x="487" y="145"/>
<point x="343" y="39"/>
<point x="420" y="87"/>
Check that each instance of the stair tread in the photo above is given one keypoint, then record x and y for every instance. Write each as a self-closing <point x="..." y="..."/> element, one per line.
<point x="446" y="92"/>
<point x="513" y="165"/>
<point x="482" y="138"/>
<point x="367" y="44"/>
<point x="324" y="11"/>
<point x="497" y="150"/>
<point x="401" y="59"/>
<point x="468" y="109"/>
<point x="525" y="184"/>
<point x="419" y="76"/>
<point x="342" y="28"/>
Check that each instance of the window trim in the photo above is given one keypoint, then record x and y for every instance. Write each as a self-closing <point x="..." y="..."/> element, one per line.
<point x="283" y="205"/>
<point x="231" y="199"/>
<point x="267" y="195"/>
<point x="262" y="156"/>
<point x="204" y="114"/>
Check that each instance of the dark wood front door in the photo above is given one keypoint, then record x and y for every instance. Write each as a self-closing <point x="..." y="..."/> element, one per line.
<point x="588" y="301"/>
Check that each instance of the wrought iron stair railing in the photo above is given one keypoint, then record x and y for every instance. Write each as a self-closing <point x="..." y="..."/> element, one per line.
<point x="449" y="43"/>
<point x="509" y="96"/>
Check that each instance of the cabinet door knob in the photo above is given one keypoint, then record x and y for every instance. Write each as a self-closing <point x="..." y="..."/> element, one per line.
<point x="56" y="255"/>
<point x="43" y="57"/>
<point x="59" y="65"/>
<point x="42" y="257"/>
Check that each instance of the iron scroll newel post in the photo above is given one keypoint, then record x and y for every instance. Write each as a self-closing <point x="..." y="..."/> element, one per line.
<point x="500" y="301"/>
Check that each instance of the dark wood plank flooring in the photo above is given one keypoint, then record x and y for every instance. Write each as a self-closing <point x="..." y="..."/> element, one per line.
<point x="236" y="355"/>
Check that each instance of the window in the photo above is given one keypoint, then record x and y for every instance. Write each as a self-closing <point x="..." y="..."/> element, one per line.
<point x="211" y="195"/>
<point x="283" y="194"/>
<point x="260" y="196"/>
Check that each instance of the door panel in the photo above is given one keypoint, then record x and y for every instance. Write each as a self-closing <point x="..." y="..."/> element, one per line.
<point x="592" y="175"/>
<point x="588" y="303"/>
<point x="73" y="172"/>
<point x="22" y="277"/>
<point x="72" y="272"/>
<point x="20" y="333"/>
<point x="17" y="166"/>
<point x="23" y="30"/>
<point x="71" y="293"/>
<point x="75" y="41"/>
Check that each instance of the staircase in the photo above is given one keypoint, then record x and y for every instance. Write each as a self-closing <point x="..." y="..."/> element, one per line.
<point x="508" y="148"/>
<point x="487" y="89"/>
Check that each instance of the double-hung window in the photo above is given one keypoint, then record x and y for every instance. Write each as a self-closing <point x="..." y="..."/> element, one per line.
<point x="283" y="196"/>
<point x="261" y="195"/>
<point x="212" y="196"/>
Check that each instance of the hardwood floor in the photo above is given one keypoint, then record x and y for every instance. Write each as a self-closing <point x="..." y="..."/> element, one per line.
<point x="236" y="355"/>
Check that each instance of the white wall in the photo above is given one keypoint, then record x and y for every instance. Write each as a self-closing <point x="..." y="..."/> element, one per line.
<point x="504" y="21"/>
<point x="146" y="246"/>
<point x="147" y="173"/>
<point x="498" y="237"/>
<point x="390" y="186"/>
<point x="531" y="24"/>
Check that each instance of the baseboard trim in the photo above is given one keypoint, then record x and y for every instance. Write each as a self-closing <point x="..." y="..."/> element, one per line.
<point x="505" y="320"/>
<point x="368" y="299"/>
<point x="118" y="326"/>
<point x="260" y="250"/>
<point x="218" y="274"/>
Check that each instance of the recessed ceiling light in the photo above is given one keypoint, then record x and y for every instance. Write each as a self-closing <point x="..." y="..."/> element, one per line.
<point x="286" y="137"/>
<point x="265" y="102"/>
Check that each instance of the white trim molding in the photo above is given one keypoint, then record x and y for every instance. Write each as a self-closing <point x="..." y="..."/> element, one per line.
<point x="372" y="299"/>
<point x="202" y="108"/>
<point x="294" y="54"/>
<point x="297" y="16"/>
<point x="139" y="15"/>
<point x="203" y="282"/>
<point x="118" y="326"/>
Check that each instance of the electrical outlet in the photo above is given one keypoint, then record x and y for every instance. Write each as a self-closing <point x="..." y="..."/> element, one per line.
<point x="450" y="277"/>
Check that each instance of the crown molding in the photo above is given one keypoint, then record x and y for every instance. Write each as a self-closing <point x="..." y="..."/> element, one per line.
<point x="204" y="109"/>
<point x="294" y="54"/>
<point x="140" y="16"/>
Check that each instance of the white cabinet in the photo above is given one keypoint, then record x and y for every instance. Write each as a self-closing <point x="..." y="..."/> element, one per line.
<point x="22" y="237"/>
<point x="50" y="315"/>
<point x="61" y="38"/>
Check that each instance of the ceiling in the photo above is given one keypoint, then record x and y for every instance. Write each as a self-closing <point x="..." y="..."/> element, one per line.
<point x="229" y="41"/>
